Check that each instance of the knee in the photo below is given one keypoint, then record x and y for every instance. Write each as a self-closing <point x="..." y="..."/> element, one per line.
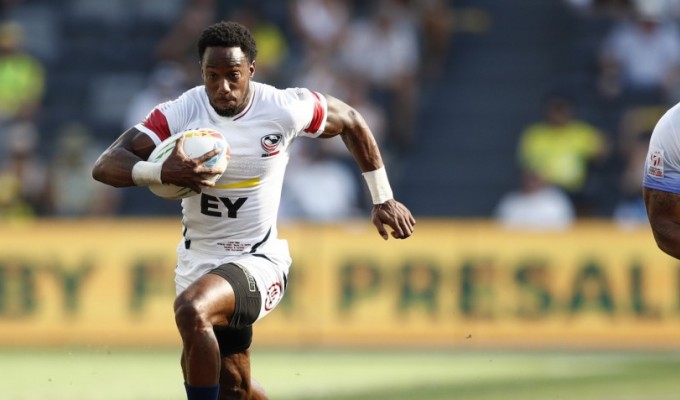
<point x="188" y="315"/>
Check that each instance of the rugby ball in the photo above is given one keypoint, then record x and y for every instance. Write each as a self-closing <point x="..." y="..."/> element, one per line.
<point x="196" y="143"/>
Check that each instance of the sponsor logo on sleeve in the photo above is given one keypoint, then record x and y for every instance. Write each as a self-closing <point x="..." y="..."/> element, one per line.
<point x="655" y="163"/>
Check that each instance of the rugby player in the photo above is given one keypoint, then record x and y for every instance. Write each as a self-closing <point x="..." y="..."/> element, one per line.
<point x="232" y="268"/>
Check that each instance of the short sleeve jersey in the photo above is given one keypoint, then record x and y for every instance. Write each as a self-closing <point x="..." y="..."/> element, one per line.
<point x="239" y="214"/>
<point x="662" y="165"/>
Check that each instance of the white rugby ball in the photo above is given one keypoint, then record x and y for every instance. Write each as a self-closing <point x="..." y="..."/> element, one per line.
<point x="196" y="143"/>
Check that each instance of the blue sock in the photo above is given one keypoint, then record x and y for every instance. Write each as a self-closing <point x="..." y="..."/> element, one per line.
<point x="202" y="392"/>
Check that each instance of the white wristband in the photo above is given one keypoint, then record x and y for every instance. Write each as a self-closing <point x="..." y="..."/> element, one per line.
<point x="146" y="173"/>
<point x="378" y="185"/>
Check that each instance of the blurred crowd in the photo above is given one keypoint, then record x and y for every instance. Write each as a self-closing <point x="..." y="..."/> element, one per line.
<point x="378" y="56"/>
<point x="585" y="156"/>
<point x="319" y="44"/>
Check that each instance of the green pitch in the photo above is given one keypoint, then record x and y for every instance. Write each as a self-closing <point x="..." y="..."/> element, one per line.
<point x="101" y="374"/>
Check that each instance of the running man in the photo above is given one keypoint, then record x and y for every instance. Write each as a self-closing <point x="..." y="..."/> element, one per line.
<point x="231" y="266"/>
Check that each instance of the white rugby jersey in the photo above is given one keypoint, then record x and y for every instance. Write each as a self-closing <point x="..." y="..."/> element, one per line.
<point x="239" y="214"/>
<point x="662" y="166"/>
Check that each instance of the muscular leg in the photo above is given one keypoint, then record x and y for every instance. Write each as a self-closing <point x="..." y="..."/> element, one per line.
<point x="235" y="379"/>
<point x="214" y="352"/>
<point x="206" y="303"/>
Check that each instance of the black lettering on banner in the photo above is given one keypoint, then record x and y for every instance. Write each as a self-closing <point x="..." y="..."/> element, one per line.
<point x="640" y="306"/>
<point x="71" y="281"/>
<point x="592" y="285"/>
<point x="533" y="281"/>
<point x="477" y="289"/>
<point x="357" y="280"/>
<point x="419" y="285"/>
<point x="17" y="289"/>
<point x="148" y="279"/>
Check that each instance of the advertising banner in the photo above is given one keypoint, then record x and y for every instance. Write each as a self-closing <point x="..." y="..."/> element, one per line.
<point x="453" y="284"/>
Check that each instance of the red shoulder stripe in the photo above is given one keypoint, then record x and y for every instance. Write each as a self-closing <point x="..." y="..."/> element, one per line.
<point x="157" y="122"/>
<point x="317" y="116"/>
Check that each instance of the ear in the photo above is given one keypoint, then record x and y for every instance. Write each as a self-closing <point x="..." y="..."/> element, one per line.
<point x="251" y="68"/>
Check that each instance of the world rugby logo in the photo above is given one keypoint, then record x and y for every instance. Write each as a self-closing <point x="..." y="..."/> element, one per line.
<point x="270" y="143"/>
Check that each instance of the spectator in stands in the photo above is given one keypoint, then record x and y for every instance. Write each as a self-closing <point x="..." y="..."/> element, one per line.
<point x="334" y="183"/>
<point x="319" y="70"/>
<point x="437" y="24"/>
<point x="630" y="210"/>
<point x="640" y="57"/>
<point x="535" y="205"/>
<point x="72" y="191"/>
<point x="271" y="42"/>
<point x="561" y="149"/>
<point x="178" y="44"/>
<point x="22" y="76"/>
<point x="22" y="173"/>
<point x="605" y="8"/>
<point x="167" y="81"/>
<point x="385" y="49"/>
<point x="634" y="133"/>
<point x="320" y="24"/>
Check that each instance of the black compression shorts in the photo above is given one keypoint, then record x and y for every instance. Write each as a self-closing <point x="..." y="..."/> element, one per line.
<point x="248" y="300"/>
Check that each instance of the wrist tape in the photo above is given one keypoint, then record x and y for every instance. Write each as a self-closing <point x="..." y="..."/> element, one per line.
<point x="145" y="173"/>
<point x="378" y="185"/>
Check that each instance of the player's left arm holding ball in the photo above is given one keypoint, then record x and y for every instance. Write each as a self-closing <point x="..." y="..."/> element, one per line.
<point x="345" y="121"/>
<point x="124" y="164"/>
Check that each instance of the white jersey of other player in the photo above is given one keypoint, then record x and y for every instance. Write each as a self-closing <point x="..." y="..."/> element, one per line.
<point x="239" y="214"/>
<point x="662" y="166"/>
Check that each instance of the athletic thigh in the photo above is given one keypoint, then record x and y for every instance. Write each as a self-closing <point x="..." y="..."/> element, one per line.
<point x="269" y="274"/>
<point x="213" y="296"/>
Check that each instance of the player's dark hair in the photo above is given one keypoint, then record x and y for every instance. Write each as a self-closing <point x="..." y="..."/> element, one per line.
<point x="228" y="34"/>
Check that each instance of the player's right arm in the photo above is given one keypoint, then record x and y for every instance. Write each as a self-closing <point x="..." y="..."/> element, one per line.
<point x="115" y="165"/>
<point x="663" y="211"/>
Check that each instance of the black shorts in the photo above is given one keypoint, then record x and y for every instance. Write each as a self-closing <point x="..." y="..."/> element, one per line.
<point x="248" y="300"/>
<point x="233" y="341"/>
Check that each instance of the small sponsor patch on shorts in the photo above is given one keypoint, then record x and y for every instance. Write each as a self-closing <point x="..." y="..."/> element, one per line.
<point x="655" y="163"/>
<point x="274" y="293"/>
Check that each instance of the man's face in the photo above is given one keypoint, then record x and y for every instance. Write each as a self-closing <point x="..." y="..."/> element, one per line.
<point x="226" y="75"/>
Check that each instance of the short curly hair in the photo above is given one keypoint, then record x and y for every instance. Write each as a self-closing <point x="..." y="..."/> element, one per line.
<point x="228" y="34"/>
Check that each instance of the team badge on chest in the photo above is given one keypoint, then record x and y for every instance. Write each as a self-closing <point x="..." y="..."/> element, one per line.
<point x="270" y="143"/>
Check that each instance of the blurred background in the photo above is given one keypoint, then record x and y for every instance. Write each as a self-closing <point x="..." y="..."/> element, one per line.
<point x="515" y="130"/>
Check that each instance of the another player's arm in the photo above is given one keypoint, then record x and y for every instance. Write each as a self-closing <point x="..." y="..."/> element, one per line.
<point x="347" y="122"/>
<point x="130" y="151"/>
<point x="663" y="210"/>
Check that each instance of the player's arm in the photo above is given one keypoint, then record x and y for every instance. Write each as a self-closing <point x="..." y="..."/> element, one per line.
<point x="345" y="121"/>
<point x="124" y="164"/>
<point x="663" y="211"/>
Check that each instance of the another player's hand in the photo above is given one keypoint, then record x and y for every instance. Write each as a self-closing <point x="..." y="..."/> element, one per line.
<point x="179" y="169"/>
<point x="396" y="216"/>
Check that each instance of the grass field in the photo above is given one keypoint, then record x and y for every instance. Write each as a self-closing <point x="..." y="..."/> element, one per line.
<point x="101" y="374"/>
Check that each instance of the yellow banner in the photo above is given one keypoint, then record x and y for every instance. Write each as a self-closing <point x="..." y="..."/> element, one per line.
<point x="453" y="284"/>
